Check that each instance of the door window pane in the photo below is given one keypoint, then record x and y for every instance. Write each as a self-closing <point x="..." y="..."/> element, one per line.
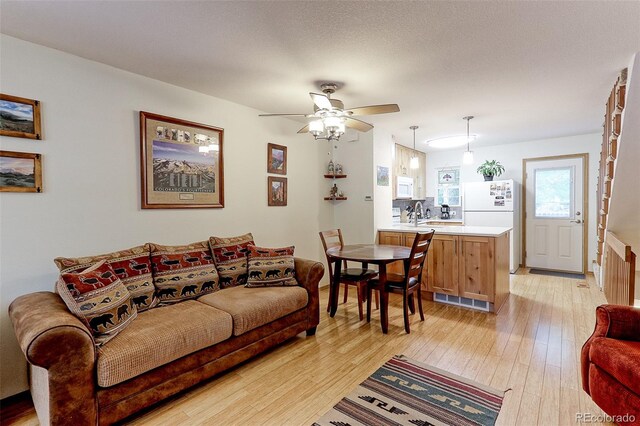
<point x="553" y="193"/>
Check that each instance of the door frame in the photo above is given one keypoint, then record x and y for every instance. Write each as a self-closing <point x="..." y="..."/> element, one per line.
<point x="585" y="203"/>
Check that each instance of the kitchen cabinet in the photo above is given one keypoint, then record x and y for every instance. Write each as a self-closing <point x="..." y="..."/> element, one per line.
<point x="462" y="267"/>
<point x="442" y="265"/>
<point x="401" y="167"/>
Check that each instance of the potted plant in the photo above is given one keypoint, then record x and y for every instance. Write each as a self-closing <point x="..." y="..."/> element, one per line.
<point x="489" y="169"/>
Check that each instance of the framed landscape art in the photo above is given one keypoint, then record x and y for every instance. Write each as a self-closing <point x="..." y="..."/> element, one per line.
<point x="276" y="159"/>
<point x="181" y="163"/>
<point x="20" y="172"/>
<point x="19" y="117"/>
<point x="277" y="191"/>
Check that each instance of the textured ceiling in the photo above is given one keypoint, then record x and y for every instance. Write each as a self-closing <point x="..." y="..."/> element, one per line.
<point x="526" y="70"/>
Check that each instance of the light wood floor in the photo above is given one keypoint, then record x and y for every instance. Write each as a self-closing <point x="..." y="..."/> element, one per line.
<point x="532" y="346"/>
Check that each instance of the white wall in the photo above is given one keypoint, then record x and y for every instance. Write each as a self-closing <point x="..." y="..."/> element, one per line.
<point x="383" y="155"/>
<point x="511" y="157"/>
<point x="91" y="176"/>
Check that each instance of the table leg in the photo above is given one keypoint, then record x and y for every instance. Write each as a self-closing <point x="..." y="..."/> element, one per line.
<point x="334" y="286"/>
<point x="384" y="298"/>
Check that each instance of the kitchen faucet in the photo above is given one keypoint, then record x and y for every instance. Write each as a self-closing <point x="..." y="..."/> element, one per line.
<point x="415" y="212"/>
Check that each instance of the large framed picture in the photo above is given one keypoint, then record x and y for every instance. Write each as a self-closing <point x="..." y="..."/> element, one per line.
<point x="20" y="172"/>
<point x="181" y="163"/>
<point x="276" y="159"/>
<point x="277" y="191"/>
<point x="19" y="117"/>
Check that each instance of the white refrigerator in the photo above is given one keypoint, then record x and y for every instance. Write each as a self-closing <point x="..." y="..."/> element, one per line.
<point x="495" y="203"/>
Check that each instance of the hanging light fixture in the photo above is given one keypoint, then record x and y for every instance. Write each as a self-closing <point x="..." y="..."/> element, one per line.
<point x="467" y="157"/>
<point x="414" y="163"/>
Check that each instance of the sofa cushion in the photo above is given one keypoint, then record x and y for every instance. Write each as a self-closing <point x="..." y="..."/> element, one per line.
<point x="270" y="267"/>
<point x="252" y="307"/>
<point x="132" y="266"/>
<point x="98" y="297"/>
<point x="619" y="358"/>
<point x="159" y="336"/>
<point x="183" y="272"/>
<point x="230" y="255"/>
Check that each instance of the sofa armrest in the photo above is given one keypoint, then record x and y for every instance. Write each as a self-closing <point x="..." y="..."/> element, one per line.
<point x="308" y="274"/>
<point x="53" y="339"/>
<point x="612" y="321"/>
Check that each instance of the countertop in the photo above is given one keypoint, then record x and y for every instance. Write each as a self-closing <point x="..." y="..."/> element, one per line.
<point x="478" y="231"/>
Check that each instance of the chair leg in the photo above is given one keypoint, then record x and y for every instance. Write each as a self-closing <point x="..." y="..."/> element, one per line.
<point x="368" y="304"/>
<point x="384" y="311"/>
<point x="412" y="305"/>
<point x="405" y="310"/>
<point x="419" y="296"/>
<point x="346" y="292"/>
<point x="360" y="298"/>
<point x="377" y="300"/>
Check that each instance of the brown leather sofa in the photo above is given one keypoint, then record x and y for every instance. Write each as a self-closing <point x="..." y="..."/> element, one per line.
<point x="73" y="382"/>
<point x="611" y="363"/>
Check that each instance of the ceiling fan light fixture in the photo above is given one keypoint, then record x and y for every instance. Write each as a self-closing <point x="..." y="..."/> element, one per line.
<point x="332" y="123"/>
<point x="316" y="127"/>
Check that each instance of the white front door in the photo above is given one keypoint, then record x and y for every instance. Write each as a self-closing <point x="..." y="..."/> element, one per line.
<point x="555" y="214"/>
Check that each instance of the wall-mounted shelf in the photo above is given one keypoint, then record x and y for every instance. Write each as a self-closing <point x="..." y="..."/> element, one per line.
<point x="335" y="176"/>
<point x="335" y="198"/>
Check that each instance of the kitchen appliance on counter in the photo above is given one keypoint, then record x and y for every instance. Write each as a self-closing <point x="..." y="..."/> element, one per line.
<point x="445" y="211"/>
<point x="395" y="215"/>
<point x="404" y="188"/>
<point x="495" y="203"/>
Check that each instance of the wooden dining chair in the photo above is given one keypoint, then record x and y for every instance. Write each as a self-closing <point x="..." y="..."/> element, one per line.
<point x="407" y="285"/>
<point x="357" y="277"/>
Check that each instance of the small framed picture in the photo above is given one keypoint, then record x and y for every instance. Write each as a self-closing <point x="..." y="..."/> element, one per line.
<point x="19" y="117"/>
<point x="383" y="176"/>
<point x="276" y="159"/>
<point x="277" y="191"/>
<point x="20" y="172"/>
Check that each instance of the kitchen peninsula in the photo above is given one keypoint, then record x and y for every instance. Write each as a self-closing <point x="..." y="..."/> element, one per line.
<point x="466" y="265"/>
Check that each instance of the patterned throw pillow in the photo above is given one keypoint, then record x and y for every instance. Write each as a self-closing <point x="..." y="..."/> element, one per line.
<point x="230" y="255"/>
<point x="183" y="272"/>
<point x="98" y="297"/>
<point x="132" y="266"/>
<point x="270" y="267"/>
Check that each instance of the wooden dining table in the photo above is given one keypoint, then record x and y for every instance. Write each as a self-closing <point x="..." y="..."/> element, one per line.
<point x="377" y="254"/>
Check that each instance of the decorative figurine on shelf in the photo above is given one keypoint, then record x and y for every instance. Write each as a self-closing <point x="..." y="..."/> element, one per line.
<point x="334" y="191"/>
<point x="330" y="168"/>
<point x="338" y="169"/>
<point x="341" y="194"/>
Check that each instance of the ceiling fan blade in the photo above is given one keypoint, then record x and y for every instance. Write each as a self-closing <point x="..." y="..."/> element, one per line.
<point x="374" y="109"/>
<point x="280" y="115"/>
<point x="305" y="129"/>
<point x="359" y="125"/>
<point x="321" y="100"/>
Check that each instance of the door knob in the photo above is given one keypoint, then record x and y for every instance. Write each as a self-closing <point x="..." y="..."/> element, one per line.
<point x="576" y="221"/>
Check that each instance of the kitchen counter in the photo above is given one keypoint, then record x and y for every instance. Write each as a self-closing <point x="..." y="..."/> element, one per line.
<point x="477" y="231"/>
<point x="444" y="221"/>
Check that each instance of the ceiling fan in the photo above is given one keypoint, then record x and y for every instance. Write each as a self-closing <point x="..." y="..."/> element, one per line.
<point x="330" y="118"/>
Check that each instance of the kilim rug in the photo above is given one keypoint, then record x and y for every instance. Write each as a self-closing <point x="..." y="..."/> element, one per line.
<point x="406" y="392"/>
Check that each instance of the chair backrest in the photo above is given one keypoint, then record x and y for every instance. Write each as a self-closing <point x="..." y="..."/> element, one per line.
<point x="331" y="238"/>
<point x="418" y="255"/>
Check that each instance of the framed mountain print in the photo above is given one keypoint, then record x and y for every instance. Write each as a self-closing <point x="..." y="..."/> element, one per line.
<point x="277" y="191"/>
<point x="181" y="163"/>
<point x="19" y="117"/>
<point x="20" y="172"/>
<point x="276" y="159"/>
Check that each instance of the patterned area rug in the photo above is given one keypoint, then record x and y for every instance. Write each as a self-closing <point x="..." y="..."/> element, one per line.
<point x="406" y="392"/>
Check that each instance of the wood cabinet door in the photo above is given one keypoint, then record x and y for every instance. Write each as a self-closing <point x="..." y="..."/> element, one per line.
<point x="441" y="266"/>
<point x="477" y="272"/>
<point x="394" y="239"/>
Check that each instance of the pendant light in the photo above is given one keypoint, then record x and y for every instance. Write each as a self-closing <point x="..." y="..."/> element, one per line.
<point x="467" y="157"/>
<point x="414" y="163"/>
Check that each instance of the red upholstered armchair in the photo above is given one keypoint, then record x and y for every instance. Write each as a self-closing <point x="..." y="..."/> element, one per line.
<point x="611" y="362"/>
